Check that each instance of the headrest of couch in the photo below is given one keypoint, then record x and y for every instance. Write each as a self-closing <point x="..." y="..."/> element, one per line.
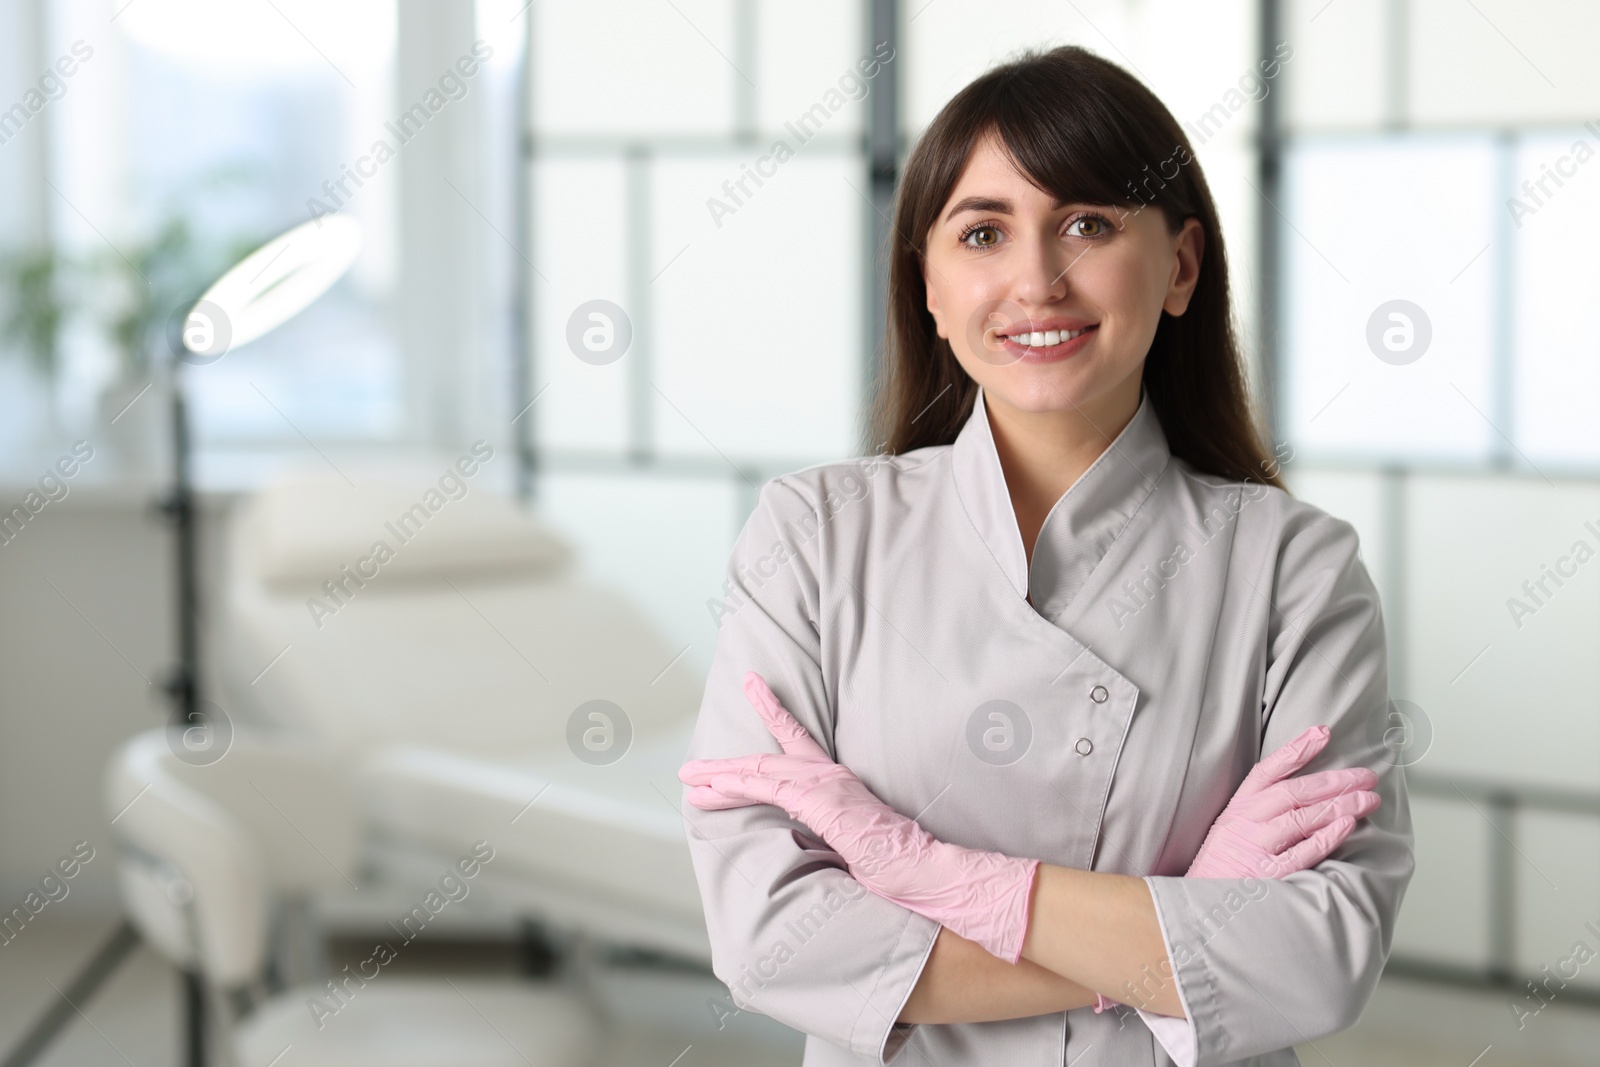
<point x="305" y="525"/>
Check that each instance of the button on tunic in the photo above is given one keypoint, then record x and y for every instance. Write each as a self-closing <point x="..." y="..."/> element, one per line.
<point x="1096" y="710"/>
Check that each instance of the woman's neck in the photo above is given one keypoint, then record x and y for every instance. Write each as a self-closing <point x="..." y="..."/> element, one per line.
<point x="1043" y="453"/>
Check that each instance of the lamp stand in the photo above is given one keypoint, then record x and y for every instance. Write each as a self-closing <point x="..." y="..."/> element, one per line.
<point x="183" y="686"/>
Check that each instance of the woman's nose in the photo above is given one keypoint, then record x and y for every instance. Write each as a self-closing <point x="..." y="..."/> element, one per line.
<point x="1043" y="272"/>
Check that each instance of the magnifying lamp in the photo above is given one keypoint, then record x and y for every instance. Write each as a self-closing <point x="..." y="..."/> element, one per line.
<point x="269" y="287"/>
<point x="261" y="292"/>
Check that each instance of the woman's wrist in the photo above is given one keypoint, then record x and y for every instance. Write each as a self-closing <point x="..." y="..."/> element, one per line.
<point x="981" y="895"/>
<point x="964" y="983"/>
<point x="1099" y="929"/>
<point x="997" y="898"/>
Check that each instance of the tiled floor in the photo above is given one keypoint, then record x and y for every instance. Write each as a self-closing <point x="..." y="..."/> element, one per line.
<point x="664" y="1018"/>
<point x="1412" y="1024"/>
<point x="653" y="1017"/>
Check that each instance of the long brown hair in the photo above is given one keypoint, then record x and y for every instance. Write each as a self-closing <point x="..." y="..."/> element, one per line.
<point x="1087" y="131"/>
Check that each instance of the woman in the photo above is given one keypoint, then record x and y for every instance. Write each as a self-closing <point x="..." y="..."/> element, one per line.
<point x="1028" y="656"/>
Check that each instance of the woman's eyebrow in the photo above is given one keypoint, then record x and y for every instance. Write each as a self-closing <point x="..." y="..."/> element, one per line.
<point x="998" y="205"/>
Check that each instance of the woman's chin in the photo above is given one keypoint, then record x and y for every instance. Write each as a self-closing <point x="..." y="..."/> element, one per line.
<point x="1042" y="388"/>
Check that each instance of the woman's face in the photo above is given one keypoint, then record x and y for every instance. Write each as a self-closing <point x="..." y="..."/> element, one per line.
<point x="1005" y="264"/>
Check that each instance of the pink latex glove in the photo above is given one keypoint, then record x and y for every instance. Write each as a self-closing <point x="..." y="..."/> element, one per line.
<point x="1276" y="825"/>
<point x="983" y="896"/>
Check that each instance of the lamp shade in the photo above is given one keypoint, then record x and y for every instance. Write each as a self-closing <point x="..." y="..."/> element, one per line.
<point x="272" y="285"/>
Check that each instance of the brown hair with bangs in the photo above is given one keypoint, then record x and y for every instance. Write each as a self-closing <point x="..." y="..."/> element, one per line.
<point x="1086" y="131"/>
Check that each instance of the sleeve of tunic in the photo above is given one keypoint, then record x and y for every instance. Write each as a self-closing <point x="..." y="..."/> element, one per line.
<point x="792" y="934"/>
<point x="1264" y="964"/>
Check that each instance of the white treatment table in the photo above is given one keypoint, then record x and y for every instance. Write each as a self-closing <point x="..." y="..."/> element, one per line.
<point x="449" y="679"/>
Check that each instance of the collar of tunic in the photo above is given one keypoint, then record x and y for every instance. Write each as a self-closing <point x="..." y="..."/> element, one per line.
<point x="1080" y="527"/>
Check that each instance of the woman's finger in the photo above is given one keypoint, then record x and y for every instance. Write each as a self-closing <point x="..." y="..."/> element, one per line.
<point x="706" y="798"/>
<point x="1316" y="848"/>
<point x="1313" y="789"/>
<point x="1308" y="790"/>
<point x="760" y="764"/>
<point x="748" y="787"/>
<point x="701" y="771"/>
<point x="783" y="726"/>
<point x="1298" y="824"/>
<point x="1284" y="762"/>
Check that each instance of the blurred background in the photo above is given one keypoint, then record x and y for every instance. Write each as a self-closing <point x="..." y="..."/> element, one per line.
<point x="578" y="336"/>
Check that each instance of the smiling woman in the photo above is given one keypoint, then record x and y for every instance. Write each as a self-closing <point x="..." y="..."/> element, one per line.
<point x="1063" y="402"/>
<point x="1064" y="202"/>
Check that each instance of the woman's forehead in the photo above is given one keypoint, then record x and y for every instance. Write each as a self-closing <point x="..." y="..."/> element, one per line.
<point x="993" y="173"/>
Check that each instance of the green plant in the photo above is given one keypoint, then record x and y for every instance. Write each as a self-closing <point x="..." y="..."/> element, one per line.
<point x="161" y="276"/>
<point x="132" y="291"/>
<point x="39" y="306"/>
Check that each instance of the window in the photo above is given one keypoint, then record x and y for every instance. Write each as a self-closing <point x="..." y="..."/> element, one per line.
<point x="1372" y="221"/>
<point x="233" y="119"/>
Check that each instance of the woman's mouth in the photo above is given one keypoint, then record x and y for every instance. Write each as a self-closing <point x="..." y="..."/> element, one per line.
<point x="1045" y="345"/>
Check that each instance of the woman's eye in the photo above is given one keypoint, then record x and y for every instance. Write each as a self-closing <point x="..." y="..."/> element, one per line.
<point x="987" y="235"/>
<point x="979" y="231"/>
<point x="1097" y="225"/>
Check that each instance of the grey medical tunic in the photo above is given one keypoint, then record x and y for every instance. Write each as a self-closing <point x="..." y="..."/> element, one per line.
<point x="1181" y="626"/>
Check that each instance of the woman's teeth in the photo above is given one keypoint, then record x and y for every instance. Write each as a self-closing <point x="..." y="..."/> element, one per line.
<point x="1045" y="339"/>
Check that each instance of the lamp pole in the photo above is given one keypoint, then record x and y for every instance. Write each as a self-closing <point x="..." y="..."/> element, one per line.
<point x="183" y="682"/>
<point x="183" y="686"/>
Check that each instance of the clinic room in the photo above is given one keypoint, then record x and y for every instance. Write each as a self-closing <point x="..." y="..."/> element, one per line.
<point x="711" y="533"/>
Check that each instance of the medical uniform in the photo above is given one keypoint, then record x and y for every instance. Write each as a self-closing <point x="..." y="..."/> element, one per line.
<point x="1096" y="710"/>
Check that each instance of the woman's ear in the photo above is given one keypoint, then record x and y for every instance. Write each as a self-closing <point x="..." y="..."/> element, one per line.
<point x="933" y="302"/>
<point x="1189" y="249"/>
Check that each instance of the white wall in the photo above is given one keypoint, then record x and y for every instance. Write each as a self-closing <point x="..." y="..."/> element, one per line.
<point x="1512" y="704"/>
<point x="85" y="620"/>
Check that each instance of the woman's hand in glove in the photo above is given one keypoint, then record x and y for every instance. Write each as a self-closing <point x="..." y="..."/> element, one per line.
<point x="983" y="896"/>
<point x="1277" y="825"/>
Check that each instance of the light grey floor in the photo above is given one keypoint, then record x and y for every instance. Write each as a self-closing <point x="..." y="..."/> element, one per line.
<point x="1413" y="1024"/>
<point x="666" y="1018"/>
<point x="660" y="1017"/>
